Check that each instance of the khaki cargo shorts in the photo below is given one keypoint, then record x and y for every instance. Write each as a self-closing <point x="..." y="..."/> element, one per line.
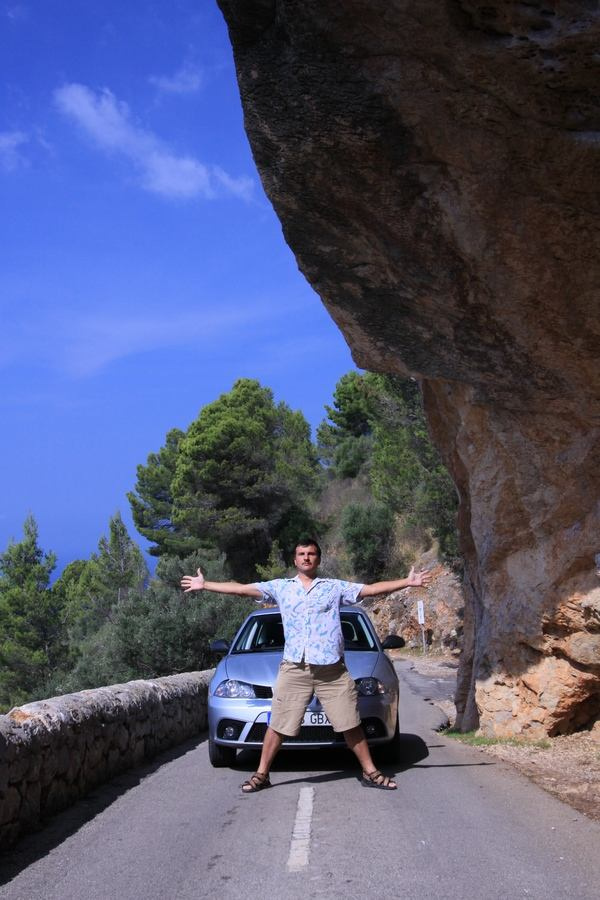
<point x="295" y="685"/>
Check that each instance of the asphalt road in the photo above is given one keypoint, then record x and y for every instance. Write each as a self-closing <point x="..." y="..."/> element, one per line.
<point x="461" y="825"/>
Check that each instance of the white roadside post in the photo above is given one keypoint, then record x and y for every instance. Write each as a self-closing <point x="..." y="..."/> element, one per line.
<point x="421" y="621"/>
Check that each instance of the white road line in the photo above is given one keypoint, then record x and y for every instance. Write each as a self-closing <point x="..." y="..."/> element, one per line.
<point x="300" y="843"/>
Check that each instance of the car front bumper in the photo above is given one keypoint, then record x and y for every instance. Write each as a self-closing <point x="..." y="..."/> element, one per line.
<point x="248" y="721"/>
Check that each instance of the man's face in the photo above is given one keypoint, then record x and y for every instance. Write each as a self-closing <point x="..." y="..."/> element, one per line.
<point x="306" y="559"/>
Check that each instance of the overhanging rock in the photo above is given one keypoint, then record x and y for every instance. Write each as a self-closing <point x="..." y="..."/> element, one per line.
<point x="435" y="166"/>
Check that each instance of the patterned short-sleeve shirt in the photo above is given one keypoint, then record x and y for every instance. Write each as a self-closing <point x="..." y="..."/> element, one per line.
<point x="311" y="618"/>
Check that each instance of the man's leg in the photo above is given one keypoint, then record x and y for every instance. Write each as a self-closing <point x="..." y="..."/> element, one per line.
<point x="291" y="694"/>
<point x="336" y="690"/>
<point x="271" y="744"/>
<point x="357" y="742"/>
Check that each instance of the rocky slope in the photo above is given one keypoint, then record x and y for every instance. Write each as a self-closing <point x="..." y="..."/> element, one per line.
<point x="443" y="606"/>
<point x="435" y="166"/>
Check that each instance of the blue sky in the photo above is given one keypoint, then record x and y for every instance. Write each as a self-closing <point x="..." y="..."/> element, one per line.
<point x="143" y="269"/>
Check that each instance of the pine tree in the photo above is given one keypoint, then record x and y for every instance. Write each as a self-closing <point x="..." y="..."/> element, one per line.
<point x="152" y="501"/>
<point x="246" y="473"/>
<point x="344" y="438"/>
<point x="95" y="588"/>
<point x="32" y="636"/>
<point x="406" y="471"/>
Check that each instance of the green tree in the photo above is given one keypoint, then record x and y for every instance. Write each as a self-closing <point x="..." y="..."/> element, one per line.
<point x="94" y="593"/>
<point x="246" y="473"/>
<point x="97" y="663"/>
<point x="344" y="439"/>
<point x="121" y="565"/>
<point x="152" y="501"/>
<point x="406" y="471"/>
<point x="95" y="588"/>
<point x="275" y="566"/>
<point x="32" y="639"/>
<point x="164" y="630"/>
<point x="377" y="430"/>
<point x="368" y="533"/>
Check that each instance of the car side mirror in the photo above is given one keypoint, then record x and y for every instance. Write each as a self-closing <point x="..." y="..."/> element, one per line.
<point x="393" y="642"/>
<point x="220" y="646"/>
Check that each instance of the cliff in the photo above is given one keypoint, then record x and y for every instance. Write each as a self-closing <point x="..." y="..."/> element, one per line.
<point x="435" y="167"/>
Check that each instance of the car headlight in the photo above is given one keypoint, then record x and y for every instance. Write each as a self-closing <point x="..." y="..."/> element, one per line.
<point x="232" y="688"/>
<point x="368" y="687"/>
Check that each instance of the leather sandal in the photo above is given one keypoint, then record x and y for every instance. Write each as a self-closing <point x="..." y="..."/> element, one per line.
<point x="377" y="779"/>
<point x="257" y="782"/>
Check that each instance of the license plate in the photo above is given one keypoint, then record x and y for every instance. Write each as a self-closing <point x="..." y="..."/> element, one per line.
<point x="315" y="718"/>
<point x="310" y="718"/>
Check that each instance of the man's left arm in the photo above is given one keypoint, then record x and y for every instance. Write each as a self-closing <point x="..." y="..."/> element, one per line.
<point x="415" y="579"/>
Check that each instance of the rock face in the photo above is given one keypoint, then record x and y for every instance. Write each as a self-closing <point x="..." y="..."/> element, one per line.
<point x="435" y="166"/>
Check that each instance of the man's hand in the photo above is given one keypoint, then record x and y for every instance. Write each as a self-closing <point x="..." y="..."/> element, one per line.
<point x="193" y="582"/>
<point x="418" y="579"/>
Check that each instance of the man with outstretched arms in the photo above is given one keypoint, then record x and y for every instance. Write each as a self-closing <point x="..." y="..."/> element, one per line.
<point x="313" y="656"/>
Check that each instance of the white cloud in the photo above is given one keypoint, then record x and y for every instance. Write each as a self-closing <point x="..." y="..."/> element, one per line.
<point x="11" y="156"/>
<point x="93" y="342"/>
<point x="187" y="80"/>
<point x="177" y="176"/>
<point x="16" y="12"/>
<point x="83" y="344"/>
<point x="239" y="187"/>
<point x="107" y="121"/>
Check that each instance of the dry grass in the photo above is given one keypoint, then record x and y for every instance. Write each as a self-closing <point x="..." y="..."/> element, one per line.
<point x="569" y="768"/>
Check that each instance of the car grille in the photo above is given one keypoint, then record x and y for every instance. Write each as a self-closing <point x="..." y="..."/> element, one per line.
<point x="263" y="691"/>
<point x="317" y="734"/>
<point x="309" y="734"/>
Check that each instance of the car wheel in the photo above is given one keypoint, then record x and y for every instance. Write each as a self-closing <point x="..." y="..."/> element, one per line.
<point x="221" y="756"/>
<point x="390" y="752"/>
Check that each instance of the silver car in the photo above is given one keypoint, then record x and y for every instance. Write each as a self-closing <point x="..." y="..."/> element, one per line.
<point x="239" y="697"/>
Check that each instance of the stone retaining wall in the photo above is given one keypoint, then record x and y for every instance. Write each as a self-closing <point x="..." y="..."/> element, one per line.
<point x="54" y="751"/>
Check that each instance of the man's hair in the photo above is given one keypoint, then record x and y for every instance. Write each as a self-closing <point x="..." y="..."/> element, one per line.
<point x="307" y="542"/>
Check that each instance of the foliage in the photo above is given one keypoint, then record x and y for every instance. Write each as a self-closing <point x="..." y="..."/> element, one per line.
<point x="275" y="567"/>
<point x="32" y="643"/>
<point x="377" y="426"/>
<point x="165" y="631"/>
<point x="94" y="589"/>
<point x="367" y="532"/>
<point x="96" y="663"/>
<point x="159" y="631"/>
<point x="245" y="474"/>
<point x="345" y="440"/>
<point x="152" y="501"/>
<point x="406" y="471"/>
<point x="93" y="592"/>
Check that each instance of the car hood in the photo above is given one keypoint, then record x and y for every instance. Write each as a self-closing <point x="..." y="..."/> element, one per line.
<point x="255" y="668"/>
<point x="262" y="668"/>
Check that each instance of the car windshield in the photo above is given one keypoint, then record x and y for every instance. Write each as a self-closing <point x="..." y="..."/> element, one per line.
<point x="262" y="634"/>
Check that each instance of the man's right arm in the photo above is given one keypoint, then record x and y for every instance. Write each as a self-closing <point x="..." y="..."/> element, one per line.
<point x="198" y="583"/>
